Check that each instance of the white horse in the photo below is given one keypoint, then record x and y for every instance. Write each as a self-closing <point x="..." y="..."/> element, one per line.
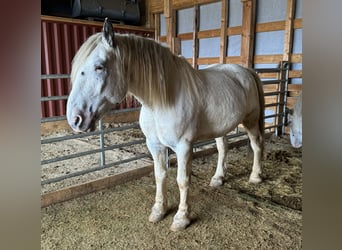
<point x="180" y="105"/>
<point x="295" y="122"/>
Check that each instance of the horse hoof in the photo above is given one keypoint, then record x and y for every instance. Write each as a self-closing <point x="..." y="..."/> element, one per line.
<point x="178" y="224"/>
<point x="216" y="182"/>
<point x="156" y="215"/>
<point x="255" y="179"/>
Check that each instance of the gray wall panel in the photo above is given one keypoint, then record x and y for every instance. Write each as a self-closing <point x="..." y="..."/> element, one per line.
<point x="234" y="45"/>
<point x="235" y="13"/>
<point x="210" y="16"/>
<point x="271" y="10"/>
<point x="186" y="48"/>
<point x="185" y="21"/>
<point x="209" y="47"/>
<point x="268" y="43"/>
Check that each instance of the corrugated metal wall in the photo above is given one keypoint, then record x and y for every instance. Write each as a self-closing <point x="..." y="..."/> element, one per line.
<point x="60" y="39"/>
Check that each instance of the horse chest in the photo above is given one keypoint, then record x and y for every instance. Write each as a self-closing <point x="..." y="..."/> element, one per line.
<point x="167" y="127"/>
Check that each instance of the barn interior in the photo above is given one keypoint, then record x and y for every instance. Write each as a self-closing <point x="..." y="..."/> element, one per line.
<point x="98" y="187"/>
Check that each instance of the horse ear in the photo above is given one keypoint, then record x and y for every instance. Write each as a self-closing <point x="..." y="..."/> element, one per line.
<point x="108" y="33"/>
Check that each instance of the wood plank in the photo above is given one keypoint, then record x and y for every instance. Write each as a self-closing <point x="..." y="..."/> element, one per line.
<point x="248" y="31"/>
<point x="223" y="31"/>
<point x="209" y="33"/>
<point x="93" y="186"/>
<point x="233" y="59"/>
<point x="261" y="27"/>
<point x="157" y="27"/>
<point x="95" y="23"/>
<point x="298" y="23"/>
<point x="290" y="102"/>
<point x="169" y="20"/>
<point x="177" y="46"/>
<point x="270" y="88"/>
<point x="296" y="58"/>
<point x="268" y="58"/>
<point x="195" y="42"/>
<point x="231" y="31"/>
<point x="294" y="89"/>
<point x="270" y="99"/>
<point x="276" y="58"/>
<point x="207" y="60"/>
<point x="212" y="60"/>
<point x="268" y="75"/>
<point x="270" y="26"/>
<point x="288" y="37"/>
<point x="157" y="6"/>
<point x="182" y="4"/>
<point x="295" y="74"/>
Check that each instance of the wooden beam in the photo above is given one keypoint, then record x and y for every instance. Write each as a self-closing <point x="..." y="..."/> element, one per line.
<point x="93" y="186"/>
<point x="169" y="14"/>
<point x="223" y="32"/>
<point x="157" y="6"/>
<point x="157" y="27"/>
<point x="289" y="22"/>
<point x="95" y="23"/>
<point x="237" y="30"/>
<point x="248" y="31"/>
<point x="195" y="37"/>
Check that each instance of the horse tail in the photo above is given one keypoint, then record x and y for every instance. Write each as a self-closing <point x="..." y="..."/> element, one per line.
<point x="261" y="105"/>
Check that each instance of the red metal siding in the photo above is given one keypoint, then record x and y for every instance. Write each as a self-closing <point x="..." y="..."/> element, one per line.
<point x="60" y="40"/>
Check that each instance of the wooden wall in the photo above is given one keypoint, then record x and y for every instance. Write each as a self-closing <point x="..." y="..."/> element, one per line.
<point x="248" y="31"/>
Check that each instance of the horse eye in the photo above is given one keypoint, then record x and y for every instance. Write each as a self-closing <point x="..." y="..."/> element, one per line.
<point x="82" y="73"/>
<point x="99" y="68"/>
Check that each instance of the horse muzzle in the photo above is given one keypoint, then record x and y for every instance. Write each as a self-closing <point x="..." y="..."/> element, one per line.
<point x="82" y="122"/>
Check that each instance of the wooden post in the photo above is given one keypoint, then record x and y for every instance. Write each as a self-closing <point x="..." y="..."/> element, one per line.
<point x="223" y="32"/>
<point x="169" y="14"/>
<point x="195" y="37"/>
<point x="177" y="46"/>
<point x="288" y="40"/>
<point x="157" y="26"/>
<point x="248" y="30"/>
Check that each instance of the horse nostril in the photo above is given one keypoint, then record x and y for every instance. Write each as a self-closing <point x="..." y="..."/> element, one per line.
<point x="77" y="120"/>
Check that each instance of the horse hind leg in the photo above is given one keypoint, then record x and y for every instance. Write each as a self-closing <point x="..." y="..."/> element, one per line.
<point x="257" y="144"/>
<point x="222" y="147"/>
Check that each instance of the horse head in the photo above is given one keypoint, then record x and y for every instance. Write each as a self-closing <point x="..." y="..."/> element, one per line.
<point x="96" y="80"/>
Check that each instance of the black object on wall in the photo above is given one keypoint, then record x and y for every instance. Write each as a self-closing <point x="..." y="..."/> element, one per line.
<point x="123" y="11"/>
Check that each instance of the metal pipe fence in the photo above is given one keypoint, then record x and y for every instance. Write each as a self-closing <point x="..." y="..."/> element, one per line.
<point x="276" y="126"/>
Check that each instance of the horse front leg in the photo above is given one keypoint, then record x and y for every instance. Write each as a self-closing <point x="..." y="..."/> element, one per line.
<point x="184" y="159"/>
<point x="158" y="152"/>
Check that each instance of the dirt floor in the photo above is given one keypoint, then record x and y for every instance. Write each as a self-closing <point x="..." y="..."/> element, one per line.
<point x="237" y="215"/>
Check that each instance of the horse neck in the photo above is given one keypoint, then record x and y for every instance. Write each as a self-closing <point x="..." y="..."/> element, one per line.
<point x="145" y="69"/>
